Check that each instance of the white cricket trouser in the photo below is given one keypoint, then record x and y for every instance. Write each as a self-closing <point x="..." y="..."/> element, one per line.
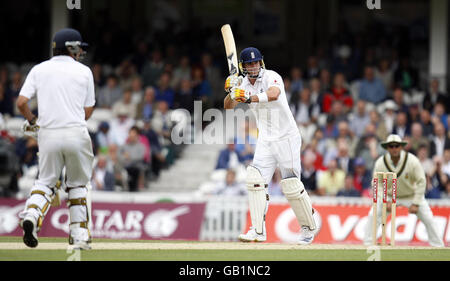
<point x="59" y="148"/>
<point x="284" y="153"/>
<point x="424" y="214"/>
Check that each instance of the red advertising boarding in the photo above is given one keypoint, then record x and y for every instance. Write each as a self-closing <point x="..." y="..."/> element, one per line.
<point x="115" y="220"/>
<point x="345" y="224"/>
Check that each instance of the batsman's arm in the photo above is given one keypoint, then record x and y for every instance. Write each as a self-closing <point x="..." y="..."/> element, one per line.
<point x="88" y="112"/>
<point x="22" y="105"/>
<point x="272" y="94"/>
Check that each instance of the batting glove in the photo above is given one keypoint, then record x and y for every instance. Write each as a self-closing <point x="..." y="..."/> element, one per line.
<point x="232" y="81"/>
<point x="30" y="129"/>
<point x="240" y="95"/>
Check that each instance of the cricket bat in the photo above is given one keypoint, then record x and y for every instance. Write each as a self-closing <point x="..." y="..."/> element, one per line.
<point x="230" y="49"/>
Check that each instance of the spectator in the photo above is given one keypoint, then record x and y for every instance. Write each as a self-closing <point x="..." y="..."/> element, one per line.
<point x="317" y="93"/>
<point x="312" y="68"/>
<point x="201" y="88"/>
<point x="162" y="122"/>
<point x="103" y="138"/>
<point x="99" y="79"/>
<point x="26" y="149"/>
<point x="434" y="96"/>
<point x="126" y="72"/>
<point x="339" y="111"/>
<point x="309" y="172"/>
<point x="325" y="80"/>
<point x="440" y="115"/>
<point x="380" y="126"/>
<point x="348" y="190"/>
<point x="429" y="169"/>
<point x="296" y="80"/>
<point x="413" y="113"/>
<point x="230" y="187"/>
<point x="137" y="90"/>
<point x="146" y="107"/>
<point x="102" y="177"/>
<point x="438" y="179"/>
<point x="339" y="92"/>
<point x="16" y="84"/>
<point x="153" y="69"/>
<point x="181" y="72"/>
<point x="389" y="115"/>
<point x="331" y="180"/>
<point x="385" y="74"/>
<point x="426" y="123"/>
<point x="228" y="158"/>
<point x="439" y="142"/>
<point x="306" y="114"/>
<point x="446" y="162"/>
<point x="132" y="155"/>
<point x="369" y="147"/>
<point x="399" y="99"/>
<point x="360" y="119"/>
<point x="140" y="55"/>
<point x="213" y="75"/>
<point x="125" y="104"/>
<point x="362" y="177"/>
<point x="184" y="96"/>
<point x="120" y="127"/>
<point x="401" y="126"/>
<point x="344" y="63"/>
<point x="158" y="159"/>
<point x="406" y="77"/>
<point x="417" y="139"/>
<point x="287" y="89"/>
<point x="164" y="92"/>
<point x="446" y="193"/>
<point x="371" y="89"/>
<point x="6" y="102"/>
<point x="110" y="93"/>
<point x="330" y="129"/>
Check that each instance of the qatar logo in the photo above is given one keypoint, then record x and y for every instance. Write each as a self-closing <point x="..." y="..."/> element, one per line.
<point x="163" y="223"/>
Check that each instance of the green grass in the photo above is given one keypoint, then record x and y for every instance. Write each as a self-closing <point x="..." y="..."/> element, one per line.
<point x="431" y="254"/>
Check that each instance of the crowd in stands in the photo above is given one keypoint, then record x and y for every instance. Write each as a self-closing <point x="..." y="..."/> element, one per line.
<point x="345" y="104"/>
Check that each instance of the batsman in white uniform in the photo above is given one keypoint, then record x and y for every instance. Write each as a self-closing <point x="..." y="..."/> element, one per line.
<point x="278" y="144"/>
<point x="65" y="94"/>
<point x="411" y="185"/>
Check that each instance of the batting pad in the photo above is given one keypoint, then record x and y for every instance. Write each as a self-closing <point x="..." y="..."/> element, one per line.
<point x="257" y="198"/>
<point x="299" y="200"/>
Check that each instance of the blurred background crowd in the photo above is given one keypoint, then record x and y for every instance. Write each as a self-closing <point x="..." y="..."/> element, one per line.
<point x="347" y="96"/>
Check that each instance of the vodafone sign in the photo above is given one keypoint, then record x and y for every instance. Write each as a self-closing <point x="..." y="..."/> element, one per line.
<point x="345" y="224"/>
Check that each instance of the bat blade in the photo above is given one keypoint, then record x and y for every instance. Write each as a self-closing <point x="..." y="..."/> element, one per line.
<point x="230" y="49"/>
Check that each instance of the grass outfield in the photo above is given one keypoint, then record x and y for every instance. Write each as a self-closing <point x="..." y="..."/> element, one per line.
<point x="56" y="249"/>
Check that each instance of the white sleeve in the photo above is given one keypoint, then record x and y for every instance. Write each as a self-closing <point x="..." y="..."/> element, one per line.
<point x="29" y="88"/>
<point x="90" y="97"/>
<point x="275" y="80"/>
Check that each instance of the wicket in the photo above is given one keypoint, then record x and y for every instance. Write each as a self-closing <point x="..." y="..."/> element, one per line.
<point x="385" y="176"/>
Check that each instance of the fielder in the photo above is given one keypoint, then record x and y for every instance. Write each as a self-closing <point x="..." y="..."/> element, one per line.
<point x="65" y="94"/>
<point x="411" y="185"/>
<point x="278" y="143"/>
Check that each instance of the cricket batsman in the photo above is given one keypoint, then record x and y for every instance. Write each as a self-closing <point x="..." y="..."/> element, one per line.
<point x="65" y="94"/>
<point x="278" y="144"/>
<point x="411" y="185"/>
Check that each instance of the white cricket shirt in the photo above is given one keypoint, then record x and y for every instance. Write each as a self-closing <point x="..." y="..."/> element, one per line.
<point x="274" y="118"/>
<point x="64" y="87"/>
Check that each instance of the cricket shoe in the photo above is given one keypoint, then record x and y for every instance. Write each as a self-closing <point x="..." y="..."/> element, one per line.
<point x="29" y="232"/>
<point x="80" y="245"/>
<point x="79" y="238"/>
<point x="307" y="235"/>
<point x="252" y="236"/>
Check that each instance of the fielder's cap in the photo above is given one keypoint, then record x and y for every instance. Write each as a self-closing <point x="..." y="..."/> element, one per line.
<point x="393" y="139"/>
<point x="67" y="35"/>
